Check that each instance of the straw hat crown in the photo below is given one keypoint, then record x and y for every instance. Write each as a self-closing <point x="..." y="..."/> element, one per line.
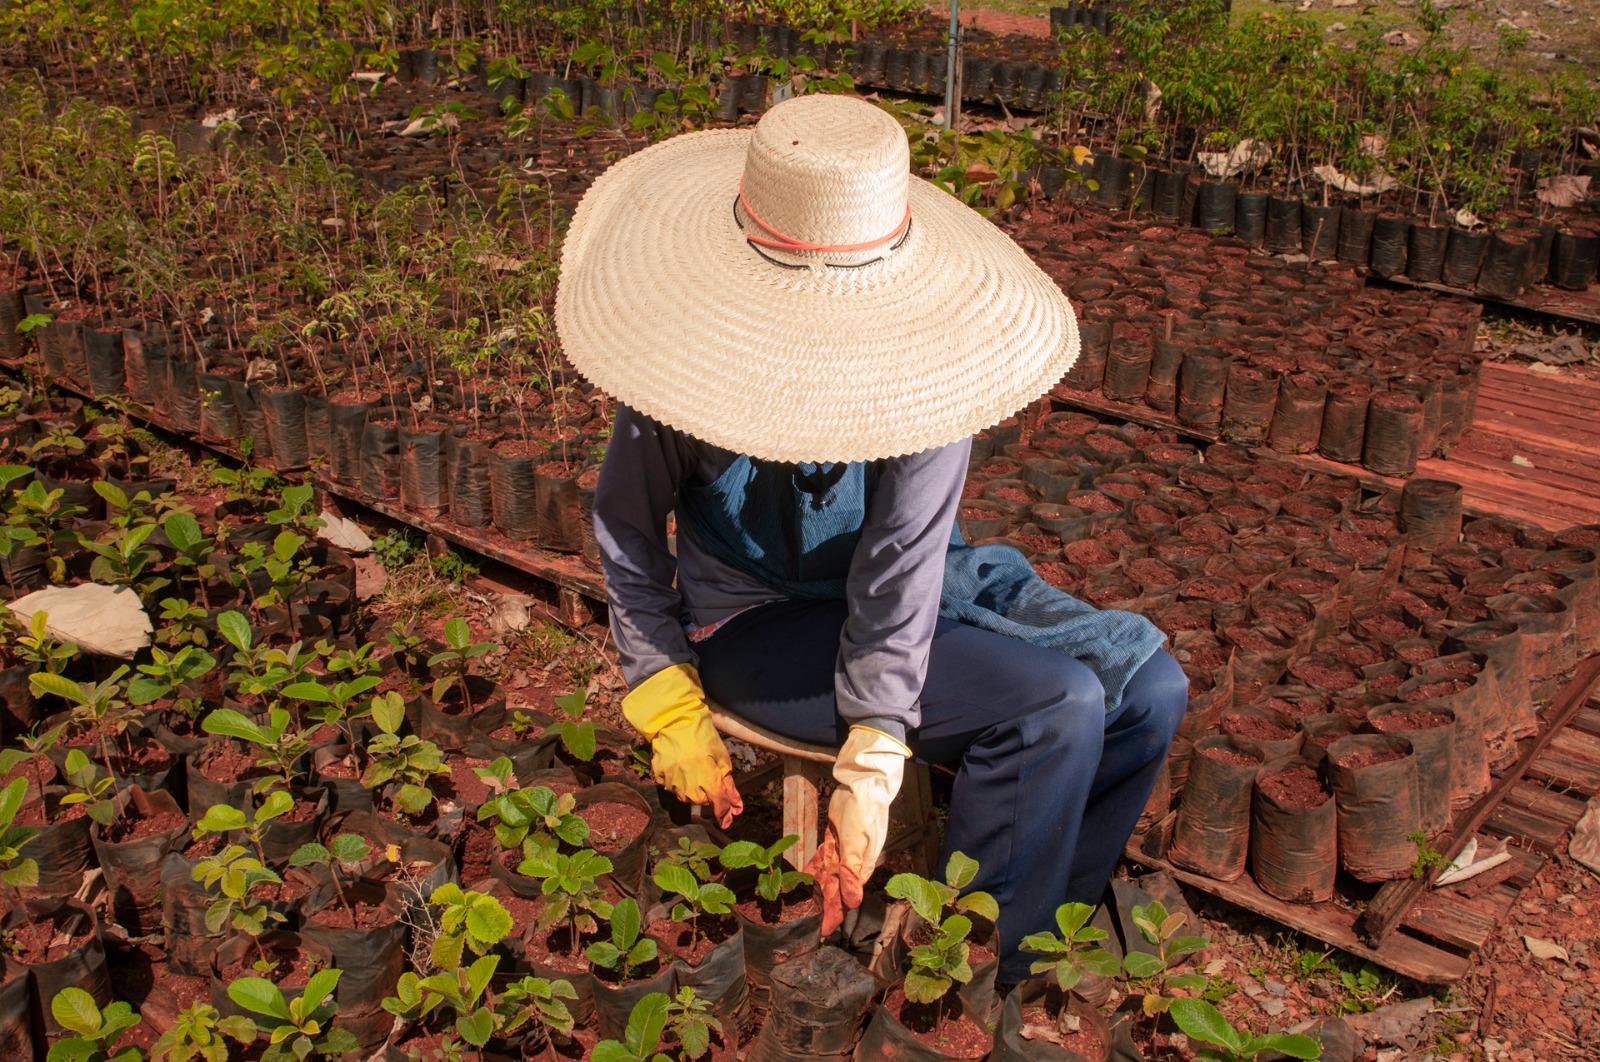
<point x="820" y="181"/>
<point x="795" y="294"/>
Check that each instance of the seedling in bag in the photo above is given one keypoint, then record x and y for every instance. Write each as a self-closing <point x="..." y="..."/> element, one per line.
<point x="236" y="877"/>
<point x="626" y="951"/>
<point x="936" y="966"/>
<point x="167" y="674"/>
<point x="538" y="1000"/>
<point x="455" y="658"/>
<point x="570" y="892"/>
<point x="697" y="897"/>
<point x="576" y="734"/>
<point x="691" y="1022"/>
<point x="1071" y="955"/>
<point x="774" y="877"/>
<point x="15" y="871"/>
<point x="335" y="701"/>
<point x="407" y="759"/>
<point x="281" y="748"/>
<point x="518" y="812"/>
<point x="297" y="1029"/>
<point x="96" y="706"/>
<point x="1201" y="1021"/>
<point x="646" y="1023"/>
<point x="94" y="1032"/>
<point x="1152" y="973"/>
<point x="468" y="920"/>
<point x="198" y="1033"/>
<point x="89" y="788"/>
<point x="345" y="850"/>
<point x="696" y="855"/>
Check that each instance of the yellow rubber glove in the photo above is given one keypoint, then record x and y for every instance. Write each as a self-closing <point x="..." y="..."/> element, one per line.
<point x="687" y="754"/>
<point x="869" y="770"/>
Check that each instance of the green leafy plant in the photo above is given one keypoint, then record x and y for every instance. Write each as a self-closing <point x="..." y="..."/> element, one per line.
<point x="408" y="760"/>
<point x="89" y="788"/>
<point x="691" y="1022"/>
<point x="1365" y="989"/>
<point x="224" y="818"/>
<point x="774" y="877"/>
<point x="282" y="748"/>
<point x="1428" y="857"/>
<point x="38" y="518"/>
<point x="1201" y="1021"/>
<point x="937" y="965"/>
<point x="192" y="550"/>
<point x="97" y="707"/>
<point x="1153" y="974"/>
<point x="516" y="812"/>
<point x="931" y="898"/>
<point x="576" y="733"/>
<point x="297" y="1029"/>
<point x="345" y="850"/>
<point x="16" y="871"/>
<point x="237" y="877"/>
<point x="696" y="855"/>
<point x="459" y="652"/>
<point x="95" y="1032"/>
<point x="462" y="990"/>
<point x="166" y="676"/>
<point x="201" y="1032"/>
<point x="466" y="920"/>
<point x="535" y="999"/>
<point x="641" y="1041"/>
<point x="336" y="702"/>
<point x="571" y="894"/>
<point x="697" y="897"/>
<point x="626" y="951"/>
<point x="1070" y="955"/>
<point x="42" y="651"/>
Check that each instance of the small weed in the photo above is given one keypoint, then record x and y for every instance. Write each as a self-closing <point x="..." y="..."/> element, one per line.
<point x="1218" y="989"/>
<point x="1366" y="988"/>
<point x="1427" y="855"/>
<point x="395" y="548"/>
<point x="453" y="567"/>
<point x="546" y="642"/>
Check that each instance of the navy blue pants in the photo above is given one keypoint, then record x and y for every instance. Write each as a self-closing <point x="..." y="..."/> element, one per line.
<point x="1049" y="785"/>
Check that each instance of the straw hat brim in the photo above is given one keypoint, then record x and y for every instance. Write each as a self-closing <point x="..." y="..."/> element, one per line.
<point x="663" y="304"/>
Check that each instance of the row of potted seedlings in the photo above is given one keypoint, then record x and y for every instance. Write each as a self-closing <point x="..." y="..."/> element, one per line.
<point x="1260" y="352"/>
<point x="1338" y="643"/>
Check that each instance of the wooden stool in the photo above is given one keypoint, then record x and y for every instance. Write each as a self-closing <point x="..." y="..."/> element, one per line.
<point x="804" y="767"/>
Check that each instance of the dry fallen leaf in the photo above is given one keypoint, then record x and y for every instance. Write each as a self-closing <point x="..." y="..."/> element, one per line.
<point x="1544" y="949"/>
<point x="1563" y="189"/>
<point x="979" y="172"/>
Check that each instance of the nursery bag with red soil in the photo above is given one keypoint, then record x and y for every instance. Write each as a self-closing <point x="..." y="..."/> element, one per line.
<point x="1212" y="832"/>
<point x="1293" y="832"/>
<point x="1374" y="780"/>
<point x="1431" y="729"/>
<point x="819" y="999"/>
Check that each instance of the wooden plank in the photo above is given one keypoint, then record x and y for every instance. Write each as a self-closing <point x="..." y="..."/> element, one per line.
<point x="1541" y="801"/>
<point x="1543" y="833"/>
<point x="1561" y="772"/>
<point x="1330" y="923"/>
<point x="1538" y="413"/>
<point x="1577" y="745"/>
<point x="1461" y="922"/>
<point x="1394" y="901"/>
<point x="1576" y="478"/>
<point x="1505" y="372"/>
<point x="1587" y="720"/>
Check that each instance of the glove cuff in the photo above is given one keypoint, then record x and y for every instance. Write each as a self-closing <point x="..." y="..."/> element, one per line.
<point x="868" y="740"/>
<point x="669" y="697"/>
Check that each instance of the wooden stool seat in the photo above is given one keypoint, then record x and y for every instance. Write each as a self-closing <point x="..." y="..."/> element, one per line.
<point x="804" y="767"/>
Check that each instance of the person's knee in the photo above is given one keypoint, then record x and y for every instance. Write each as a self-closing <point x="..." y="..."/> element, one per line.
<point x="1075" y="704"/>
<point x="1158" y="694"/>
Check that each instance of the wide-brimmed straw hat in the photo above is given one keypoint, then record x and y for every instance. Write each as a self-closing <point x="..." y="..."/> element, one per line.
<point x="794" y="294"/>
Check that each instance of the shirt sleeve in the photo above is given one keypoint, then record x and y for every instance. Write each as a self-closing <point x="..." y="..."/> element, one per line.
<point x="645" y="463"/>
<point x="896" y="576"/>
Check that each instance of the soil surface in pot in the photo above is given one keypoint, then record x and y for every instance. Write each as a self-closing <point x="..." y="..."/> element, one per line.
<point x="1083" y="1040"/>
<point x="612" y="827"/>
<point x="294" y="969"/>
<point x="147" y="757"/>
<point x="1416" y="654"/>
<point x="229" y="764"/>
<point x="1054" y="573"/>
<point x="33" y="943"/>
<point x="1326" y="676"/>
<point x="134" y="827"/>
<point x="1013" y="494"/>
<point x="367" y="915"/>
<point x="789" y="907"/>
<point x="1429" y="690"/>
<point x="1039" y="543"/>
<point x="1400" y="722"/>
<point x="1368" y="757"/>
<point x="468" y="788"/>
<point x="1256" y="726"/>
<point x="940" y="1025"/>
<point x="1238" y="759"/>
<point x="1088" y="552"/>
<point x="691" y="943"/>
<point x="554" y="947"/>
<point x="1295" y="787"/>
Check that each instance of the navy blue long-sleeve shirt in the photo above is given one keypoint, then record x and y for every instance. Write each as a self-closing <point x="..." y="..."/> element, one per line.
<point x="892" y="586"/>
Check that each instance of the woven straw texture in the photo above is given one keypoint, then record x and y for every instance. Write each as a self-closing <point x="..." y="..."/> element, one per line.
<point x="664" y="303"/>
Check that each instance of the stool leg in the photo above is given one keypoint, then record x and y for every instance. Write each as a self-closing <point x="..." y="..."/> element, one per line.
<point x="800" y="799"/>
<point x="919" y="804"/>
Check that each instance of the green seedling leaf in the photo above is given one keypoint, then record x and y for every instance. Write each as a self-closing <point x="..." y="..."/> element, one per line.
<point x="75" y="1009"/>
<point x="260" y="996"/>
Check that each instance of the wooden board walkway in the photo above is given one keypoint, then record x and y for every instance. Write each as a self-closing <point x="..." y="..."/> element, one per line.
<point x="1532" y="452"/>
<point x="1410" y="927"/>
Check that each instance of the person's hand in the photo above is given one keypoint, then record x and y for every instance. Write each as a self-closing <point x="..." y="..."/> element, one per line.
<point x="687" y="757"/>
<point x="869" y="770"/>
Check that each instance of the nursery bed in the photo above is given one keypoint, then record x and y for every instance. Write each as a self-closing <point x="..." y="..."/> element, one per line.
<point x="1546" y="419"/>
<point x="1406" y="926"/>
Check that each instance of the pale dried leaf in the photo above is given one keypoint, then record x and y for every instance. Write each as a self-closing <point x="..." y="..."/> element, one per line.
<point x="1379" y="183"/>
<point x="1048" y="1033"/>
<point x="1563" y="189"/>
<point x="1544" y="949"/>
<point x="1247" y="156"/>
<point x="1518" y="459"/>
